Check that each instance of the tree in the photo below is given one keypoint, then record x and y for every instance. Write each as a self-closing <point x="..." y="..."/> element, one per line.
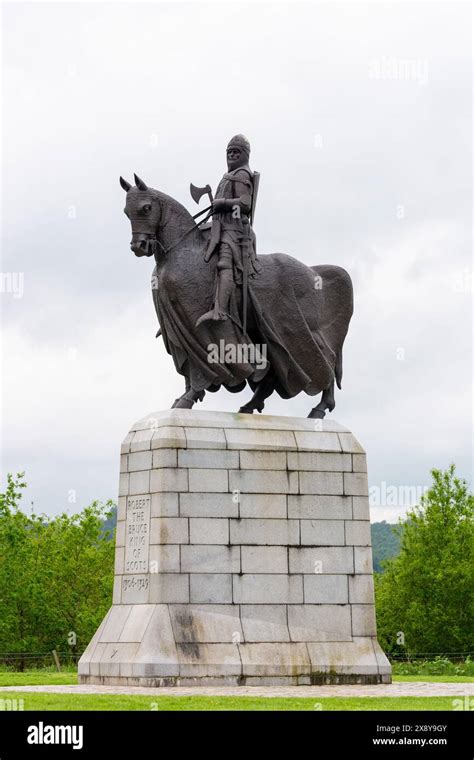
<point x="56" y="575"/>
<point x="425" y="595"/>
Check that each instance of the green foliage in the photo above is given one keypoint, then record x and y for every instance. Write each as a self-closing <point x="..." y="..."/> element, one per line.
<point x="385" y="543"/>
<point x="426" y="593"/>
<point x="440" y="666"/>
<point x="56" y="575"/>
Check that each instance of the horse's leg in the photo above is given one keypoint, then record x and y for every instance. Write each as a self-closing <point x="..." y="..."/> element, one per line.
<point x="327" y="402"/>
<point x="264" y="389"/>
<point x="189" y="397"/>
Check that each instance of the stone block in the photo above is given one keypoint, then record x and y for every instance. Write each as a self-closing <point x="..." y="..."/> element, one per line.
<point x="169" y="530"/>
<point x="359" y="463"/>
<point x="319" y="622"/>
<point x="168" y="438"/>
<point x="325" y="589"/>
<point x="169" y="588"/>
<point x="124" y="484"/>
<point x="211" y="588"/>
<point x="168" y="479"/>
<point x="264" y="559"/>
<point x="121" y="508"/>
<point x="360" y="508"/>
<point x="119" y="560"/>
<point x="363" y="620"/>
<point x="263" y="460"/>
<point x="320" y="482"/>
<point x="322" y="532"/>
<point x="319" y="461"/>
<point x="139" y="482"/>
<point x="208" y="459"/>
<point x="317" y="441"/>
<point x="263" y="481"/>
<point x="136" y="623"/>
<point x="262" y="505"/>
<point x="208" y="480"/>
<point x="282" y="659"/>
<point x="350" y="444"/>
<point x="208" y="505"/>
<point x="206" y="623"/>
<point x="141" y="440"/>
<point x="277" y="440"/>
<point x="164" y="504"/>
<point x="363" y="559"/>
<point x="156" y="655"/>
<point x="139" y="460"/>
<point x="208" y="530"/>
<point x="210" y="559"/>
<point x="355" y="484"/>
<point x="125" y="447"/>
<point x="135" y="589"/>
<point x="325" y="560"/>
<point x="116" y="620"/>
<point x="346" y="658"/>
<point x="163" y="457"/>
<point x="120" y="533"/>
<point x="268" y="589"/>
<point x="361" y="589"/>
<point x="264" y="532"/>
<point x="164" y="558"/>
<point x="264" y="622"/>
<point x="205" y="438"/>
<point x="358" y="533"/>
<point x="208" y="660"/>
<point x="317" y="507"/>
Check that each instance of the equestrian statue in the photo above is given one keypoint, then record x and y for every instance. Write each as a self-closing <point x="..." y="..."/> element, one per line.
<point x="227" y="316"/>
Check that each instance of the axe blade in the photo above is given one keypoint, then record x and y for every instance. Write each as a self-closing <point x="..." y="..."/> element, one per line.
<point x="198" y="192"/>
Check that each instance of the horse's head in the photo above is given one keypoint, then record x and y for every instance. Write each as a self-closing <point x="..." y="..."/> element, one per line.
<point x="143" y="208"/>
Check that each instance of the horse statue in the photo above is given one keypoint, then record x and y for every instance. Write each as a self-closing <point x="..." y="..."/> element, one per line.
<point x="296" y="316"/>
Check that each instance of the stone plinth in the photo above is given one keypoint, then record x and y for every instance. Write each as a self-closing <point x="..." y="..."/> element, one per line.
<point x="243" y="556"/>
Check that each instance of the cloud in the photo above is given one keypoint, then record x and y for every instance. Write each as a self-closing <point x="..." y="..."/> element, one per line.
<point x="368" y="172"/>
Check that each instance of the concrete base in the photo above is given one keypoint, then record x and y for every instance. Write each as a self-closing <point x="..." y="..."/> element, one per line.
<point x="242" y="557"/>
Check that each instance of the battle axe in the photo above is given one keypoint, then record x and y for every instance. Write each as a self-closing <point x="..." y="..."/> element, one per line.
<point x="198" y="192"/>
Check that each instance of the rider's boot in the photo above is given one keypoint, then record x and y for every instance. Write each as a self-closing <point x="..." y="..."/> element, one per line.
<point x="224" y="290"/>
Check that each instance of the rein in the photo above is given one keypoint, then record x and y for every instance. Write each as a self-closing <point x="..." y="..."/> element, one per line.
<point x="196" y="226"/>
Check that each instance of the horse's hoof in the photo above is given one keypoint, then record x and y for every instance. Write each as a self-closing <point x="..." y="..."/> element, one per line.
<point x="245" y="410"/>
<point x="183" y="403"/>
<point x="316" y="414"/>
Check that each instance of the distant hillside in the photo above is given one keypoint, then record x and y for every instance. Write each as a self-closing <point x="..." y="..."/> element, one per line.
<point x="109" y="525"/>
<point x="385" y="543"/>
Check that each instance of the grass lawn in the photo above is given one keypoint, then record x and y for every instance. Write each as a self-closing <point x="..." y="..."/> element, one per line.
<point x="66" y="678"/>
<point x="41" y="701"/>
<point x="38" y="701"/>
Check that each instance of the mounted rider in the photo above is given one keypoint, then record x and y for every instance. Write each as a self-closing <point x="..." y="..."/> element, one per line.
<point x="232" y="237"/>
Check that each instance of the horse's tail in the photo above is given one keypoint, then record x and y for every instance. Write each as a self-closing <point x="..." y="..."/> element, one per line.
<point x="338" y="368"/>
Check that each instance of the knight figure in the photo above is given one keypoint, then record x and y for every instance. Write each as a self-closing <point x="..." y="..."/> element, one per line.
<point x="232" y="238"/>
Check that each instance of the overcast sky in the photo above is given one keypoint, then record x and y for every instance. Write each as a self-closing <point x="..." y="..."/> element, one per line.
<point x="359" y="118"/>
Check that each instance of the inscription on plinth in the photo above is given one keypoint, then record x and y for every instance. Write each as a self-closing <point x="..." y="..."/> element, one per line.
<point x="135" y="582"/>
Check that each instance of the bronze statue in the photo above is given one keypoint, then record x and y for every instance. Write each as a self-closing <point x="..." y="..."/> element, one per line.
<point x="227" y="317"/>
<point x="233" y="211"/>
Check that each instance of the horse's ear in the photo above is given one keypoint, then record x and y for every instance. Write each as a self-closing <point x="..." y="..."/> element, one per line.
<point x="126" y="185"/>
<point x="140" y="183"/>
